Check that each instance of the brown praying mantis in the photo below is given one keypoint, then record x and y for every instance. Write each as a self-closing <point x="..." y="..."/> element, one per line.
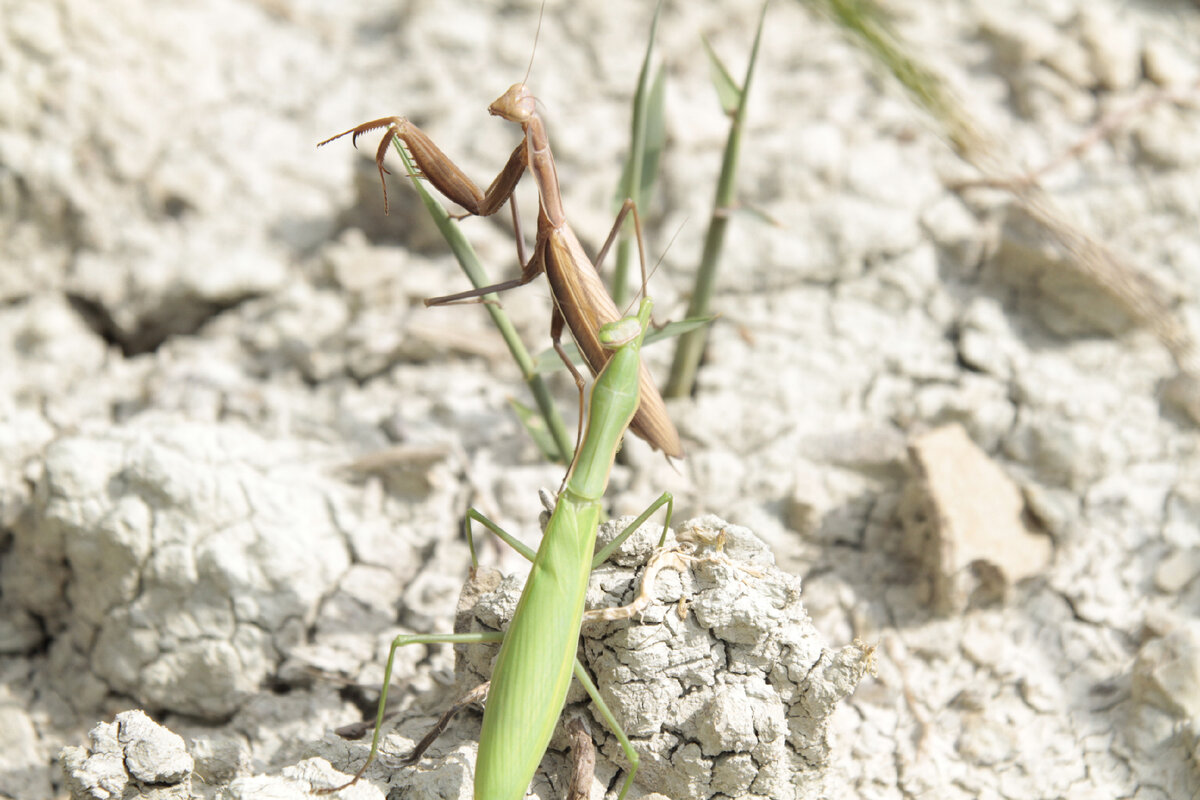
<point x="581" y="301"/>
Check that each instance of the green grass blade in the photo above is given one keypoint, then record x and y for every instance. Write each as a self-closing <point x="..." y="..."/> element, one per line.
<point x="656" y="134"/>
<point x="633" y="177"/>
<point x="535" y="426"/>
<point x="674" y="329"/>
<point x="691" y="345"/>
<point x="469" y="261"/>
<point x="728" y="91"/>
<point x="547" y="361"/>
<point x="656" y="139"/>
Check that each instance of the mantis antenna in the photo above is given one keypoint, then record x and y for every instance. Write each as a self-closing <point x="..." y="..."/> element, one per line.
<point x="536" y="34"/>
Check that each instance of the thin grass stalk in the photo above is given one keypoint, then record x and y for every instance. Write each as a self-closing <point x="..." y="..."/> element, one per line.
<point x="1121" y="279"/>
<point x="690" y="347"/>
<point x="631" y="187"/>
<point x="469" y="261"/>
<point x="865" y="20"/>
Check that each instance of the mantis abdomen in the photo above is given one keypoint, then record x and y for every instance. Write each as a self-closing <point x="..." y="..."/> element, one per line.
<point x="534" y="669"/>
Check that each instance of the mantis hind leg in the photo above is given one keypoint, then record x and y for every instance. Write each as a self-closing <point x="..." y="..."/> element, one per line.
<point x="666" y="498"/>
<point x="557" y="322"/>
<point x="473" y="515"/>
<point x="626" y="745"/>
<point x="626" y="207"/>
<point x="474" y="696"/>
<point x="483" y="637"/>
<point x="516" y="544"/>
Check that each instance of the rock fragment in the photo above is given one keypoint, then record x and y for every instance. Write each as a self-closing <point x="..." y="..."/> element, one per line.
<point x="963" y="519"/>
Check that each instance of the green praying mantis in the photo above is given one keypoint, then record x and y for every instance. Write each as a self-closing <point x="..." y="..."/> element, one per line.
<point x="538" y="652"/>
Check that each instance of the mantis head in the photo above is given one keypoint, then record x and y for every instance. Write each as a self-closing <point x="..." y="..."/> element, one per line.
<point x="516" y="105"/>
<point x="616" y="334"/>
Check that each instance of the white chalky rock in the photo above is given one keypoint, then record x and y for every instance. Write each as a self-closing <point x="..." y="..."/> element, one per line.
<point x="963" y="519"/>
<point x="723" y="677"/>
<point x="720" y="680"/>
<point x="191" y="556"/>
<point x="1166" y="673"/>
<point x="133" y="756"/>
<point x="299" y="782"/>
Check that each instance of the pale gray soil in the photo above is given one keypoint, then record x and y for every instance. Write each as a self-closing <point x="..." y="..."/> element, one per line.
<point x="236" y="450"/>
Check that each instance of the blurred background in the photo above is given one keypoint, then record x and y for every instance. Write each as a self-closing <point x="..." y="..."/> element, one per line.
<point x="237" y="449"/>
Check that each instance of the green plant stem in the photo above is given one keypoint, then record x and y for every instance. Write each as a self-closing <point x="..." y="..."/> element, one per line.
<point x="690" y="347"/>
<point x="474" y="271"/>
<point x="632" y="189"/>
